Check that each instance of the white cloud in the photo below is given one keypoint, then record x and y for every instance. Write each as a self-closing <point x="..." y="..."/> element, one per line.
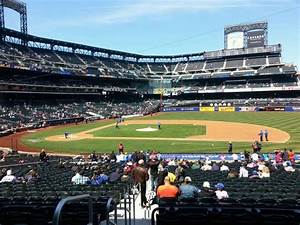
<point x="142" y="8"/>
<point x="126" y="11"/>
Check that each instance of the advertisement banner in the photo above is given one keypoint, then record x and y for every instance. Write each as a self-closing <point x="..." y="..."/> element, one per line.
<point x="246" y="109"/>
<point x="255" y="38"/>
<point x="207" y="109"/>
<point x="180" y="109"/>
<point x="226" y="109"/>
<point x="289" y="109"/>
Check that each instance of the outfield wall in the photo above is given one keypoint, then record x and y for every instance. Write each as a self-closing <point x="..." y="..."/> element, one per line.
<point x="232" y="109"/>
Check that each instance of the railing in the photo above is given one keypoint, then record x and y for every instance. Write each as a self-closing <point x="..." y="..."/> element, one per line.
<point x="61" y="204"/>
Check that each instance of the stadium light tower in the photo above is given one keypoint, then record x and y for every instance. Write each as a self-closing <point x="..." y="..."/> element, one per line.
<point x="17" y="6"/>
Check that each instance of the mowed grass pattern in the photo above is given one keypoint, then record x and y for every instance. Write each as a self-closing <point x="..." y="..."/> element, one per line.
<point x="166" y="131"/>
<point x="286" y="121"/>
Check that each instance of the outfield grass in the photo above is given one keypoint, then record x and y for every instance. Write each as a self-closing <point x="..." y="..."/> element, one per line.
<point x="286" y="121"/>
<point x="167" y="131"/>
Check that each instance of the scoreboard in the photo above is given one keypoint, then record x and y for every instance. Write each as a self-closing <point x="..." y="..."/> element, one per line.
<point x="246" y="35"/>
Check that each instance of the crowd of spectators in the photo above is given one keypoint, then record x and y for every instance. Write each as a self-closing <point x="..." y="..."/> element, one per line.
<point x="22" y="115"/>
<point x="171" y="181"/>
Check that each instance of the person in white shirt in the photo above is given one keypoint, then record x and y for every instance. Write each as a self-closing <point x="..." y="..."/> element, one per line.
<point x="243" y="172"/>
<point x="264" y="172"/>
<point x="9" y="177"/>
<point x="254" y="157"/>
<point x="79" y="178"/>
<point x="220" y="192"/>
<point x="288" y="167"/>
<point x="206" y="167"/>
<point x="235" y="157"/>
<point x="224" y="168"/>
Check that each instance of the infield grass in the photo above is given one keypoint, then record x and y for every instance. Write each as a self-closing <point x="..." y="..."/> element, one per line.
<point x="286" y="121"/>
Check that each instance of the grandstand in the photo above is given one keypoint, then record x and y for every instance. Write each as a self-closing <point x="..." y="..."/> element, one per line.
<point x="47" y="82"/>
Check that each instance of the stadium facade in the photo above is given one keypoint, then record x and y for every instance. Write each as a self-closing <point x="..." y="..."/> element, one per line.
<point x="247" y="67"/>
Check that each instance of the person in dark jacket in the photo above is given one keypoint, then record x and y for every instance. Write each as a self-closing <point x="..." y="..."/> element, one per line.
<point x="206" y="190"/>
<point x="153" y="166"/>
<point x="163" y="172"/>
<point x="140" y="177"/>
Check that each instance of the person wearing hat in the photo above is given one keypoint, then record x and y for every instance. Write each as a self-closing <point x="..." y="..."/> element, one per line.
<point x="9" y="177"/>
<point x="140" y="177"/>
<point x="220" y="192"/>
<point x="206" y="190"/>
<point x="188" y="192"/>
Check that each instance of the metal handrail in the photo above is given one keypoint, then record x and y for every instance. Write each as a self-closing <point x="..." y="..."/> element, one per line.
<point x="61" y="204"/>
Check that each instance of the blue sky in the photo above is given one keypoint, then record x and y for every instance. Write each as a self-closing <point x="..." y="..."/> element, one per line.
<point x="161" y="27"/>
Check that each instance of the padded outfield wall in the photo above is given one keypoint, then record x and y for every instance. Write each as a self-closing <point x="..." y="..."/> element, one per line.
<point x="231" y="109"/>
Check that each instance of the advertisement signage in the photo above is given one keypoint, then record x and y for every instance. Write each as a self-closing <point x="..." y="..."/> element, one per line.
<point x="207" y="109"/>
<point x="226" y="109"/>
<point x="247" y="109"/>
<point x="180" y="109"/>
<point x="255" y="39"/>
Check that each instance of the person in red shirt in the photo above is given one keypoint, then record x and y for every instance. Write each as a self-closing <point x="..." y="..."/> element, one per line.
<point x="291" y="155"/>
<point x="167" y="191"/>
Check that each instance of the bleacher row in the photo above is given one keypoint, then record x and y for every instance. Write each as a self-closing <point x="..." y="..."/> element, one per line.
<point x="33" y="203"/>
<point x="274" y="200"/>
<point x="13" y="55"/>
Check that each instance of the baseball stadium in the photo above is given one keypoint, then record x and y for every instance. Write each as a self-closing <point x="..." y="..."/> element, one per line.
<point x="91" y="135"/>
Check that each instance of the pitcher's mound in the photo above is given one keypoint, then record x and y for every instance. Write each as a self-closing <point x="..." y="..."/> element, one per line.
<point x="148" y="129"/>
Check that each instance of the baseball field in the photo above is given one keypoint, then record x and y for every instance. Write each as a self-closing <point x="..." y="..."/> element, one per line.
<point x="183" y="132"/>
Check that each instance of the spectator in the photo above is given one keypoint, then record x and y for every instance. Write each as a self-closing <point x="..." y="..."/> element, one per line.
<point x="43" y="156"/>
<point x="224" y="168"/>
<point x="9" y="177"/>
<point x="243" y="172"/>
<point x="99" y="178"/>
<point x="153" y="166"/>
<point x="232" y="174"/>
<point x="94" y="157"/>
<point x="254" y="157"/>
<point x="291" y="155"/>
<point x="285" y="155"/>
<point x="167" y="190"/>
<point x="121" y="148"/>
<point x="79" y="178"/>
<point x="179" y="173"/>
<point x="163" y="172"/>
<point x="32" y="176"/>
<point x="206" y="167"/>
<point x="188" y="192"/>
<point x="254" y="175"/>
<point x="206" y="191"/>
<point x="278" y="157"/>
<point x="215" y="167"/>
<point x="220" y="192"/>
<point x="115" y="176"/>
<point x="140" y="177"/>
<point x="113" y="157"/>
<point x="172" y="177"/>
<point x="235" y="157"/>
<point x="288" y="167"/>
<point x="264" y="172"/>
